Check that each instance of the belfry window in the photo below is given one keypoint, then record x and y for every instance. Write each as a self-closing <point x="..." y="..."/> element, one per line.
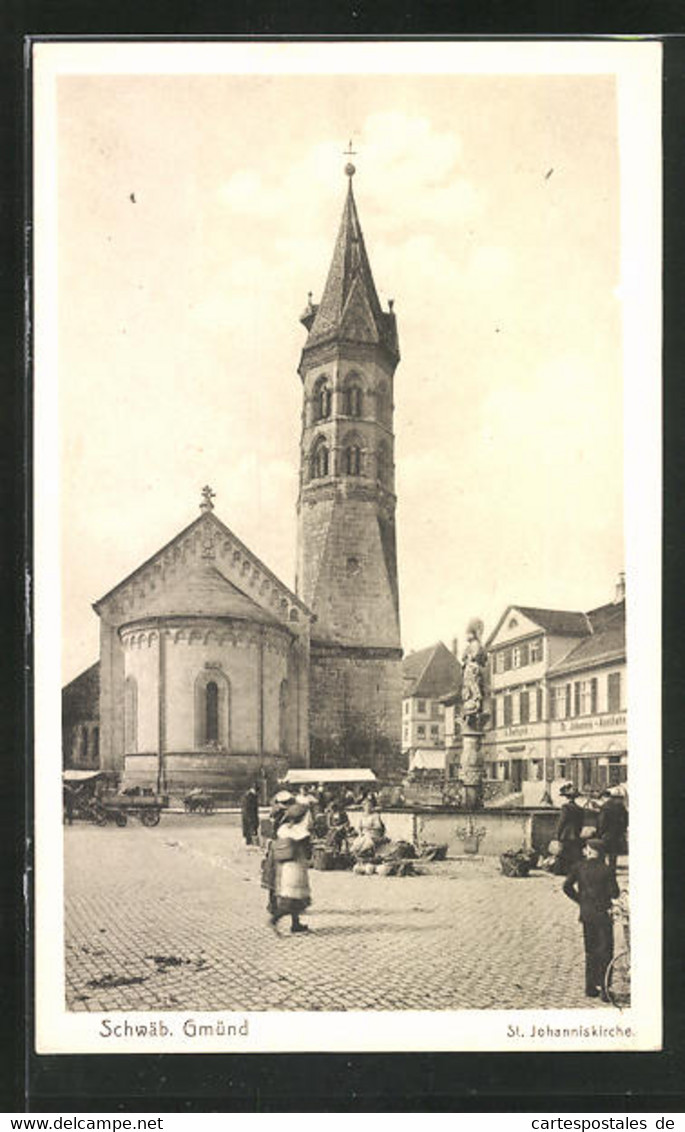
<point x="322" y="400"/>
<point x="212" y="712"/>
<point x="319" y="461"/>
<point x="382" y="463"/>
<point x="352" y="400"/>
<point x="352" y="460"/>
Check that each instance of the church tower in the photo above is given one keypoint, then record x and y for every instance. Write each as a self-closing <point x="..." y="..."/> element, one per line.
<point x="347" y="561"/>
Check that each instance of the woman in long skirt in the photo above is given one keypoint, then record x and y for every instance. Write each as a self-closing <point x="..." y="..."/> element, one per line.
<point x="279" y="804"/>
<point x="291" y="853"/>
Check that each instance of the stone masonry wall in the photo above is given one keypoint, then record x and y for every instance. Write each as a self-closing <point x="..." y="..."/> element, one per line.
<point x="355" y="711"/>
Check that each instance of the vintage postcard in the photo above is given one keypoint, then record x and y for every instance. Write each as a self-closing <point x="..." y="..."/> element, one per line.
<point x="347" y="536"/>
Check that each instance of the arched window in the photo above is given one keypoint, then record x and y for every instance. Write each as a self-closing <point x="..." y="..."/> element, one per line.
<point x="383" y="403"/>
<point x="322" y="399"/>
<point x="130" y="715"/>
<point x="283" y="718"/>
<point x="319" y="460"/>
<point x="382" y="462"/>
<point x="212" y="712"/>
<point x="212" y="709"/>
<point x="352" y="397"/>
<point x="352" y="460"/>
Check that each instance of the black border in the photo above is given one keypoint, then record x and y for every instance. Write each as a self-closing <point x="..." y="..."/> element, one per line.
<point x="331" y="1082"/>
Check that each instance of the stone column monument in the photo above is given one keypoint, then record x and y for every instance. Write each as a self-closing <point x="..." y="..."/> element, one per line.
<point x="473" y="717"/>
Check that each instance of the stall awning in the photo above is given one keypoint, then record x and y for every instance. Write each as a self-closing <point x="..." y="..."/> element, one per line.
<point x="80" y="775"/>
<point x="340" y="774"/>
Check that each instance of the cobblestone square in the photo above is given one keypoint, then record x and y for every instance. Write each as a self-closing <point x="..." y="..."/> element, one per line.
<point x="174" y="918"/>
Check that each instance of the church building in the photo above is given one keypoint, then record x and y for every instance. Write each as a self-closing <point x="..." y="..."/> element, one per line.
<point x="347" y="558"/>
<point x="212" y="672"/>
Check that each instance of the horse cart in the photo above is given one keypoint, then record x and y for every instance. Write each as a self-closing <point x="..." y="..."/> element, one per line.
<point x="137" y="801"/>
<point x="199" y="801"/>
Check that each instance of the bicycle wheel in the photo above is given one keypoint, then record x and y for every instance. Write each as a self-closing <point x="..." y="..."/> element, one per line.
<point x="617" y="980"/>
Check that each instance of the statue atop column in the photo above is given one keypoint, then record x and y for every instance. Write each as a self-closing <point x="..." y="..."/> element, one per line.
<point x="474" y="663"/>
<point x="473" y="691"/>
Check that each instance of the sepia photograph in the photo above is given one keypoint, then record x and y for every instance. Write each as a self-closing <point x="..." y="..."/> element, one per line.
<point x="347" y="450"/>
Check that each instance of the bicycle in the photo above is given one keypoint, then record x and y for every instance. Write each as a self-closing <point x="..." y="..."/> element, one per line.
<point x="617" y="978"/>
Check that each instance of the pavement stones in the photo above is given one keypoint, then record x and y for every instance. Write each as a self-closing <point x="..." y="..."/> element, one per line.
<point x="174" y="918"/>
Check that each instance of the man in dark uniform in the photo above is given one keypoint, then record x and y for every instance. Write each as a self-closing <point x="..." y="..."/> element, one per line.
<point x="612" y="823"/>
<point x="592" y="884"/>
<point x="568" y="829"/>
<point x="250" y="815"/>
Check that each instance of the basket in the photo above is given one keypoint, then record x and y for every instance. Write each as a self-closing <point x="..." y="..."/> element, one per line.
<point x="515" y="864"/>
<point x="323" y="859"/>
<point x="283" y="849"/>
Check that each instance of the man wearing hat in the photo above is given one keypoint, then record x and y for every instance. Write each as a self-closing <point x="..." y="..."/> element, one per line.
<point x="568" y="829"/>
<point x="250" y="814"/>
<point x="592" y="884"/>
<point x="612" y="823"/>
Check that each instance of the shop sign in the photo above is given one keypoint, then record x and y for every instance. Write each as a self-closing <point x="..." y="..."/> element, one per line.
<point x="592" y="723"/>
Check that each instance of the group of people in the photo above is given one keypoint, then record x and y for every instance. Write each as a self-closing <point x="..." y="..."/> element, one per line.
<point x="294" y="820"/>
<point x="589" y="862"/>
<point x="611" y="827"/>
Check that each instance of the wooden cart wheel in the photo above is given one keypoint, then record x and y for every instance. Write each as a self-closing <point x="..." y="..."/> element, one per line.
<point x="149" y="817"/>
<point x="121" y="819"/>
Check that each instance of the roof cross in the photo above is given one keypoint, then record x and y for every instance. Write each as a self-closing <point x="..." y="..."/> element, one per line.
<point x="349" y="168"/>
<point x="207" y="497"/>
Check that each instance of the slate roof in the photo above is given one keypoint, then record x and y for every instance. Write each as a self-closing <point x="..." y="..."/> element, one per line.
<point x="559" y="622"/>
<point x="350" y="310"/>
<point x="562" y="622"/>
<point x="203" y="592"/>
<point x="431" y="672"/>
<point x="605" y="645"/>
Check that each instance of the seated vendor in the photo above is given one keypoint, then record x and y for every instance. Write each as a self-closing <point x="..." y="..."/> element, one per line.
<point x="371" y="830"/>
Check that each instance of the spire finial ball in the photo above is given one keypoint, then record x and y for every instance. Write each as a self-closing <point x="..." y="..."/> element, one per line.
<point x="350" y="169"/>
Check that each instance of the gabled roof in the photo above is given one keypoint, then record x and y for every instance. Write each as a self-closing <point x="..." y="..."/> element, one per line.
<point x="203" y="591"/>
<point x="431" y="672"/>
<point x="604" y="646"/>
<point x="349" y="309"/>
<point x="209" y="520"/>
<point x="557" y="622"/>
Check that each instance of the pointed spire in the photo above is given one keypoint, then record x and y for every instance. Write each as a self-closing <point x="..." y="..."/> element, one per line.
<point x="349" y="309"/>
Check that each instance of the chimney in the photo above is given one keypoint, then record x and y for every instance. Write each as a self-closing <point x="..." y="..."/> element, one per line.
<point x="620" y="588"/>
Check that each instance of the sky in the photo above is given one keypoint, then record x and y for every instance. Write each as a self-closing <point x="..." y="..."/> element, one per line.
<point x="196" y="212"/>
